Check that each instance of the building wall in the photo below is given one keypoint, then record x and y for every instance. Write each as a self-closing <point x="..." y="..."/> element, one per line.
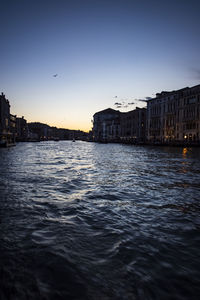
<point x="189" y="119"/>
<point x="21" y="129"/>
<point x="4" y="119"/>
<point x="174" y="116"/>
<point x="133" y="125"/>
<point x="106" y="125"/>
<point x="43" y="131"/>
<point x="13" y="127"/>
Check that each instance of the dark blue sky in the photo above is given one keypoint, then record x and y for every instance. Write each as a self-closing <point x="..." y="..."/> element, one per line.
<point x="99" y="49"/>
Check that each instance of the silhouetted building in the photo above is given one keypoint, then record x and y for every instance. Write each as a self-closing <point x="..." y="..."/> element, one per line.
<point x="43" y="131"/>
<point x="5" y="134"/>
<point x="133" y="126"/>
<point x="13" y="127"/>
<point x="90" y="136"/>
<point x="174" y="117"/>
<point x="78" y="135"/>
<point x="106" y="125"/>
<point x="22" y="130"/>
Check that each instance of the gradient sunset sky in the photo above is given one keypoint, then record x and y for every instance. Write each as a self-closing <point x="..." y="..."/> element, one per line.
<point x="103" y="52"/>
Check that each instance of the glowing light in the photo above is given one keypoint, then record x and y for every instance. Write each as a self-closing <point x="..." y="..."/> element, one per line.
<point x="184" y="153"/>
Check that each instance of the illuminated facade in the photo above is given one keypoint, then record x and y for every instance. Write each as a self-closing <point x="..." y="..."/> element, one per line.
<point x="174" y="116"/>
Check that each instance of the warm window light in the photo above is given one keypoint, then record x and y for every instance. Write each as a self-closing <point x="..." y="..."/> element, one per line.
<point x="185" y="136"/>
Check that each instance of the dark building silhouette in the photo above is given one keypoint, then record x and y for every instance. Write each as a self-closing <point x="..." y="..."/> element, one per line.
<point x="13" y="127"/>
<point x="6" y="137"/>
<point x="133" y="126"/>
<point x="22" y="130"/>
<point x="106" y="125"/>
<point x="42" y="131"/>
<point x="111" y="125"/>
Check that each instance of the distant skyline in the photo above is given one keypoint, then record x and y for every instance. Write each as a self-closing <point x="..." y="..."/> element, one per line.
<point x="62" y="61"/>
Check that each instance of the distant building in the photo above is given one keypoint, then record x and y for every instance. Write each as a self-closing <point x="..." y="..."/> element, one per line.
<point x="174" y="117"/>
<point x="133" y="126"/>
<point x="42" y="131"/>
<point x="90" y="136"/>
<point x="106" y="125"/>
<point x="63" y="134"/>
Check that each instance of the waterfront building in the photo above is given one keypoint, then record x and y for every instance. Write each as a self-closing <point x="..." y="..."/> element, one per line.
<point x="133" y="126"/>
<point x="13" y="127"/>
<point x="106" y="125"/>
<point x="5" y="134"/>
<point x="21" y="129"/>
<point x="188" y="127"/>
<point x="79" y="135"/>
<point x="42" y="131"/>
<point x="174" y="117"/>
<point x="155" y="117"/>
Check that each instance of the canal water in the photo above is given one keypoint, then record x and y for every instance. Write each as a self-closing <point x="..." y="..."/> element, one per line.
<point x="99" y="221"/>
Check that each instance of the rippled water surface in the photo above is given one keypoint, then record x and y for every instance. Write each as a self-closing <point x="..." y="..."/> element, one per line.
<point x="99" y="221"/>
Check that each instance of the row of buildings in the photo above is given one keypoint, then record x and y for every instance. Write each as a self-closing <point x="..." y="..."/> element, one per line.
<point x="169" y="118"/>
<point x="16" y="129"/>
<point x="46" y="132"/>
<point x="10" y="125"/>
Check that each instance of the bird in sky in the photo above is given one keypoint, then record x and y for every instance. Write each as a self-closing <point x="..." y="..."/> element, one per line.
<point x="55" y="75"/>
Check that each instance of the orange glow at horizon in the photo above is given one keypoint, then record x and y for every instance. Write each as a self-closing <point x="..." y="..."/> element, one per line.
<point x="83" y="126"/>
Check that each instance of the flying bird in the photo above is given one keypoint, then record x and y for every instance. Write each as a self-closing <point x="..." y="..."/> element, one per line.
<point x="55" y="75"/>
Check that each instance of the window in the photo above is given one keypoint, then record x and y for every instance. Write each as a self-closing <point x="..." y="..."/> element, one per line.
<point x="191" y="100"/>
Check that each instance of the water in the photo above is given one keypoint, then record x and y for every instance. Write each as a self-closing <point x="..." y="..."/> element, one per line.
<point x="99" y="221"/>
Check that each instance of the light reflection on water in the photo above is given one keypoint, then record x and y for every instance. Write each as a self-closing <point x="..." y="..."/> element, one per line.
<point x="185" y="150"/>
<point x="99" y="221"/>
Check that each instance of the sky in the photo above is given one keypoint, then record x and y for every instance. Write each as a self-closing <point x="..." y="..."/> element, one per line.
<point x="103" y="52"/>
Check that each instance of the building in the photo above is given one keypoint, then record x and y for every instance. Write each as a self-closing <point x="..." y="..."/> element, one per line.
<point x="188" y="125"/>
<point x="106" y="125"/>
<point x="21" y="129"/>
<point x="13" y="127"/>
<point x="133" y="126"/>
<point x="42" y="131"/>
<point x="5" y="134"/>
<point x="174" y="117"/>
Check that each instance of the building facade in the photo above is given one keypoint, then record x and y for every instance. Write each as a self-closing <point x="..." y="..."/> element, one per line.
<point x="13" y="127"/>
<point x="40" y="130"/>
<point x="188" y="127"/>
<point x="174" y="117"/>
<point x="106" y="125"/>
<point x="21" y="129"/>
<point x="133" y="126"/>
<point x="5" y="134"/>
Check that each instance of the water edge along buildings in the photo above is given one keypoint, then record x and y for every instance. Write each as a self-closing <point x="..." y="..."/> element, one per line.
<point x="16" y="129"/>
<point x="171" y="118"/>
